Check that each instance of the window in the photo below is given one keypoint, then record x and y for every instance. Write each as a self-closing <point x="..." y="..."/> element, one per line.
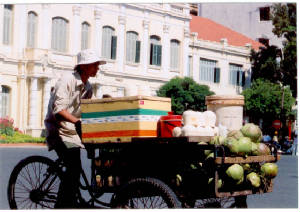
<point x="31" y="29"/>
<point x="264" y="41"/>
<point x="190" y="66"/>
<point x="174" y="55"/>
<point x="133" y="46"/>
<point x="264" y="13"/>
<point x="59" y="34"/>
<point x="209" y="71"/>
<point x="236" y="75"/>
<point x="109" y="43"/>
<point x="85" y="31"/>
<point x="4" y="101"/>
<point x="7" y="24"/>
<point x="155" y="51"/>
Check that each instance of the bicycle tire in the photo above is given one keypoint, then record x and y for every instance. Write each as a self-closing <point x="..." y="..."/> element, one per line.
<point x="225" y="202"/>
<point x="25" y="174"/>
<point x="138" y="192"/>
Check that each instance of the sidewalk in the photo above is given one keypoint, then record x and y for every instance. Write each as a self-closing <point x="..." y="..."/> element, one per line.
<point x="23" y="145"/>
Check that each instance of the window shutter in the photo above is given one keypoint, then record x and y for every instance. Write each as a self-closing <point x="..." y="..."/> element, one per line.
<point x="158" y="55"/>
<point x="137" y="51"/>
<point x="216" y="75"/>
<point x="151" y="53"/>
<point x="243" y="79"/>
<point x="113" y="47"/>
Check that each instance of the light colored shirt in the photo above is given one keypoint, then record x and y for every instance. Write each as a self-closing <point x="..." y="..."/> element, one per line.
<point x="66" y="96"/>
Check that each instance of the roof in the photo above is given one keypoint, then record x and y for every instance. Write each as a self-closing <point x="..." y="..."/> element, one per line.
<point x="212" y="31"/>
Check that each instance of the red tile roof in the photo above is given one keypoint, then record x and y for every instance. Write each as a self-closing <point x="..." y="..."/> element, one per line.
<point x="212" y="31"/>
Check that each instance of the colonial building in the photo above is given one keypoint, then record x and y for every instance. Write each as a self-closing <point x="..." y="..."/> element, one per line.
<point x="144" y="45"/>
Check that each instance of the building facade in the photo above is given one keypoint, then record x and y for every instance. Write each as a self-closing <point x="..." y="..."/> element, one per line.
<point x="143" y="44"/>
<point x="251" y="19"/>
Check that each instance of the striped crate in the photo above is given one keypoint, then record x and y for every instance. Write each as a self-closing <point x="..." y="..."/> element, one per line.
<point x="120" y="119"/>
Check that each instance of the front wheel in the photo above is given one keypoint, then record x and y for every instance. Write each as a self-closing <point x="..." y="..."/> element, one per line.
<point x="145" y="193"/>
<point x="33" y="184"/>
<point x="225" y="202"/>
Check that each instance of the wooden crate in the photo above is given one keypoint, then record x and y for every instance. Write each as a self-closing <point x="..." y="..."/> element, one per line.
<point x="120" y="119"/>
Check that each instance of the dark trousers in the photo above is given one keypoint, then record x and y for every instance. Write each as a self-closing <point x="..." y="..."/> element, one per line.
<point x="69" y="186"/>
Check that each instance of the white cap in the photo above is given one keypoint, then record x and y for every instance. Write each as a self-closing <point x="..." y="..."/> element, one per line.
<point x="88" y="56"/>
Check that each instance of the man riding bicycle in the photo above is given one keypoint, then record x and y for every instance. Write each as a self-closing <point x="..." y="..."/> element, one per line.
<point x="63" y="123"/>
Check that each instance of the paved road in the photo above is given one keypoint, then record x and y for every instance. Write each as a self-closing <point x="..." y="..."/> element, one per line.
<point x="285" y="194"/>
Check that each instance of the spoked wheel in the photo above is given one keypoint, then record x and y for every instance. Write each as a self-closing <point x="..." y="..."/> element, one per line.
<point x="145" y="193"/>
<point x="33" y="184"/>
<point x="225" y="202"/>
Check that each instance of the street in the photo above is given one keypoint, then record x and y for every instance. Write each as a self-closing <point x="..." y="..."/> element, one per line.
<point x="284" y="195"/>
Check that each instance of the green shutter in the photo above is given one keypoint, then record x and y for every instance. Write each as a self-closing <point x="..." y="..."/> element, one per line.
<point x="151" y="53"/>
<point x="243" y="78"/>
<point x="154" y="57"/>
<point x="113" y="47"/>
<point x="137" y="51"/>
<point x="217" y="75"/>
<point x="158" y="55"/>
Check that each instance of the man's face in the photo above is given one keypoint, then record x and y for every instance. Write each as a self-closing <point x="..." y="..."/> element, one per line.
<point x="91" y="69"/>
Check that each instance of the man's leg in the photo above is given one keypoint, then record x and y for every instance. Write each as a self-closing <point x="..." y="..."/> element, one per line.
<point x="69" y="186"/>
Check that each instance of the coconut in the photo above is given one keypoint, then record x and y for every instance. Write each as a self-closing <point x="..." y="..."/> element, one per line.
<point x="236" y="172"/>
<point x="269" y="170"/>
<point x="217" y="140"/>
<point x="246" y="167"/>
<point x="254" y="179"/>
<point x="228" y="141"/>
<point x="241" y="147"/>
<point x="254" y="148"/>
<point x="237" y="134"/>
<point x="263" y="149"/>
<point x="252" y="131"/>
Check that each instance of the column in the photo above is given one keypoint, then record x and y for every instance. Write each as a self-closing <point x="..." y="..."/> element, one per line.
<point x="98" y="30"/>
<point x="224" y="72"/>
<point x="76" y="36"/>
<point x="121" y="43"/>
<point x="195" y="66"/>
<point x="166" y="50"/>
<point x="21" y="22"/>
<point x="46" y="97"/>
<point x="99" y="91"/>
<point x="145" y="49"/>
<point x="45" y="37"/>
<point x="186" y="42"/>
<point x="33" y="98"/>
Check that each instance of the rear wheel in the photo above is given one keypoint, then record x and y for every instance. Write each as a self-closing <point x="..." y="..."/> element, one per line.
<point x="145" y="193"/>
<point x="225" y="202"/>
<point x="33" y="184"/>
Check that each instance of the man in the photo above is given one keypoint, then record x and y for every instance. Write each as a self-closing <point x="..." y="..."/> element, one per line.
<point x="63" y="122"/>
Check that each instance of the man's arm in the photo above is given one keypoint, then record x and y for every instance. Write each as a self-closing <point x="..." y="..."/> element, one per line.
<point x="66" y="116"/>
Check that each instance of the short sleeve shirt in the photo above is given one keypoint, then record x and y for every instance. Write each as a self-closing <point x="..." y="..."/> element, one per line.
<point x="66" y="96"/>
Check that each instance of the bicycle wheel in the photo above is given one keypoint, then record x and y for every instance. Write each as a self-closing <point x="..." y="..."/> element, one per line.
<point x="225" y="202"/>
<point x="145" y="193"/>
<point x="33" y="184"/>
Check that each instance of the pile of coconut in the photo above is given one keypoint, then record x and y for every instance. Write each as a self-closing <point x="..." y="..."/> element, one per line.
<point x="245" y="142"/>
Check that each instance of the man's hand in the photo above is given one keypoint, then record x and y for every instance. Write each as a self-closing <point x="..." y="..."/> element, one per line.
<point x="78" y="128"/>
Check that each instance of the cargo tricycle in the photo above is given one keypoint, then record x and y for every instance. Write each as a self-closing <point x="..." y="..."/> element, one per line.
<point x="144" y="173"/>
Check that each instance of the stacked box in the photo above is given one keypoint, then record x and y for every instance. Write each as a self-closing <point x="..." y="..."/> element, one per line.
<point x="120" y="119"/>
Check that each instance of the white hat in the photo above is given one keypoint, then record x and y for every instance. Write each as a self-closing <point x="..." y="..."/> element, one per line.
<point x="88" y="56"/>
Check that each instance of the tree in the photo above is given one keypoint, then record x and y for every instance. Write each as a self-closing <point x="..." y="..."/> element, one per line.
<point x="284" y="22"/>
<point x="272" y="63"/>
<point x="185" y="94"/>
<point x="263" y="100"/>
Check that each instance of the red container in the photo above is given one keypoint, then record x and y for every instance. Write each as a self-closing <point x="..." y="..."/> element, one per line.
<point x="166" y="124"/>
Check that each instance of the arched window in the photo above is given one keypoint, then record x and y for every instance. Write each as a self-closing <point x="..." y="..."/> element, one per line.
<point x="133" y="46"/>
<point x="7" y="24"/>
<point x="31" y="29"/>
<point x="174" y="55"/>
<point x="4" y="101"/>
<point x="155" y="50"/>
<point x="85" y="33"/>
<point x="109" y="43"/>
<point x="59" y="34"/>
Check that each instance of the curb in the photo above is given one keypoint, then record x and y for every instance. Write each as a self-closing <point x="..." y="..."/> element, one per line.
<point x="22" y="144"/>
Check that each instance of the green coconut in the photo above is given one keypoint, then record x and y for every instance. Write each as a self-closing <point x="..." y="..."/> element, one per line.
<point x="237" y="134"/>
<point x="252" y="131"/>
<point x="254" y="179"/>
<point x="241" y="147"/>
<point x="236" y="172"/>
<point x="269" y="170"/>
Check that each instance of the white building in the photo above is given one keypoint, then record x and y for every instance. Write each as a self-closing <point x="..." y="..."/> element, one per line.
<point x="144" y="44"/>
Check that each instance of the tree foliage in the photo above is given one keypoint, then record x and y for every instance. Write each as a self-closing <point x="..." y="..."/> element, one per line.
<point x="185" y="94"/>
<point x="264" y="63"/>
<point x="263" y="100"/>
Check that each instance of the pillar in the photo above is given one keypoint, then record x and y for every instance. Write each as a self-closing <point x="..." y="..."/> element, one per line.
<point x="76" y="36"/>
<point x="145" y="49"/>
<point x="46" y="27"/>
<point x="185" y="57"/>
<point x="98" y="30"/>
<point x="166" y="50"/>
<point x="33" y="101"/>
<point x="121" y="43"/>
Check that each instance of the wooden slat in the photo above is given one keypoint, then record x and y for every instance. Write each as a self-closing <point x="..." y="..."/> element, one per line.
<point x="249" y="159"/>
